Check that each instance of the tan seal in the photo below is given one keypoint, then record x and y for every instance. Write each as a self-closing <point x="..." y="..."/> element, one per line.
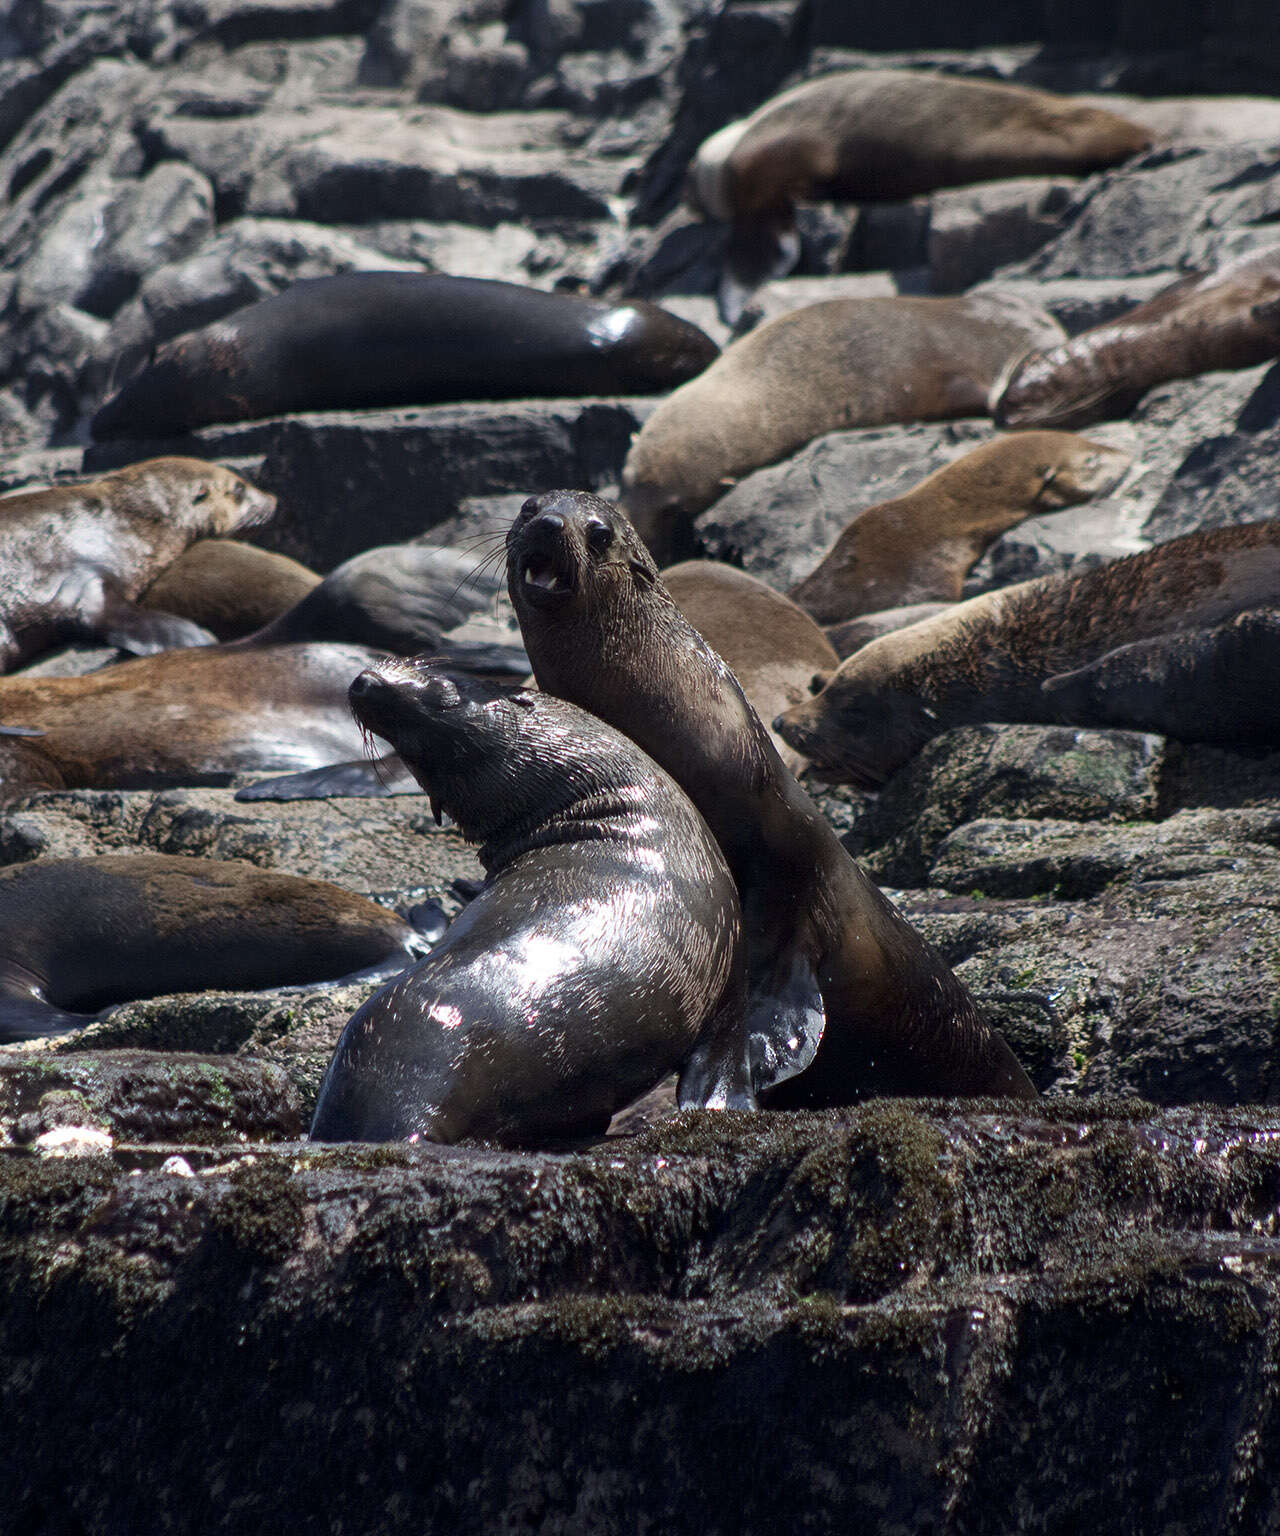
<point x="229" y="588"/>
<point x="989" y="658"/>
<point x="1204" y="323"/>
<point x="75" y="558"/>
<point x="920" y="547"/>
<point x="843" y="363"/>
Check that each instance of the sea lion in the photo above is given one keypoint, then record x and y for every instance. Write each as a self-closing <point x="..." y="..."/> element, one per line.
<point x="402" y="338"/>
<point x="229" y="588"/>
<point x="1200" y="324"/>
<point x="883" y="135"/>
<point x="74" y="558"/>
<point x="838" y="982"/>
<point x="843" y="363"/>
<point x="987" y="659"/>
<point x="921" y="546"/>
<point x="183" y="717"/>
<point x="77" y="935"/>
<point x="772" y="647"/>
<point x="603" y="951"/>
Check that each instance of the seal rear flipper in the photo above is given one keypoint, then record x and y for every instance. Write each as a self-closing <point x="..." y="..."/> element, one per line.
<point x="144" y="631"/>
<point x="360" y="779"/>
<point x="756" y="254"/>
<point x="785" y="1021"/>
<point x="21" y="730"/>
<point x="484" y="656"/>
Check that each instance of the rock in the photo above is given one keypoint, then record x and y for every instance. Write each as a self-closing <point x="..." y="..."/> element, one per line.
<point x="1078" y="303"/>
<point x="975" y="230"/>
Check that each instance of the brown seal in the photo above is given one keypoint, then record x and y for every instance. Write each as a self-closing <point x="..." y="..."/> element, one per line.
<point x="988" y="658"/>
<point x="853" y="634"/>
<point x="843" y="363"/>
<point x="229" y="588"/>
<point x="833" y="968"/>
<point x="603" y="951"/>
<point x="77" y="935"/>
<point x="772" y="647"/>
<point x="884" y="135"/>
<point x="1208" y="321"/>
<point x="920" y="547"/>
<point x="183" y="717"/>
<point x="74" y="558"/>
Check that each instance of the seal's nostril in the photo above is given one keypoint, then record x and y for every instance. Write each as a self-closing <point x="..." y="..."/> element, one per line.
<point x="552" y="520"/>
<point x="530" y="506"/>
<point x="365" y="684"/>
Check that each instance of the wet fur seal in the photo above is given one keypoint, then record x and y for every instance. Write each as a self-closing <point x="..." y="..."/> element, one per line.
<point x="920" y="547"/>
<point x="603" y="951"/>
<point x="989" y="658"/>
<point x="878" y="135"/>
<point x="772" y="647"/>
<point x="1203" y="323"/>
<point x="183" y="717"/>
<point x="75" y="558"/>
<point x="839" y="364"/>
<point x="365" y="339"/>
<point x="845" y="999"/>
<point x="229" y="588"/>
<point x="77" y="935"/>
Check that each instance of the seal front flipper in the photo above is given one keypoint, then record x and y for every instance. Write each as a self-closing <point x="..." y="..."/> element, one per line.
<point x="756" y="254"/>
<point x="144" y="631"/>
<point x="360" y="779"/>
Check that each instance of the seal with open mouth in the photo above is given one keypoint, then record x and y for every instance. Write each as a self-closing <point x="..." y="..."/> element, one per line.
<point x="845" y="999"/>
<point x="603" y="952"/>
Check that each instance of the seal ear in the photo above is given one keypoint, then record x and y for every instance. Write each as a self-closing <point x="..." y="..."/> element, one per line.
<point x="819" y="681"/>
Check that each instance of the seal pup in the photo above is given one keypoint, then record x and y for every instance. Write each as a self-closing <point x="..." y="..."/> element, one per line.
<point x="883" y="135"/>
<point x="920" y="547"/>
<point x="772" y="647"/>
<point x="843" y="363"/>
<point x="988" y="658"/>
<point x="75" y="558"/>
<point x="838" y="982"/>
<point x="77" y="935"/>
<point x="1203" y="323"/>
<point x="603" y="951"/>
<point x="364" y="339"/>
<point x="229" y="588"/>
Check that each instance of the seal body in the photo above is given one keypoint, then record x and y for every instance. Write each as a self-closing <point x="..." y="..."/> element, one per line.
<point x="920" y="547"/>
<point x="402" y="338"/>
<point x="845" y="999"/>
<point x="842" y="363"/>
<point x="77" y="935"/>
<point x="879" y="135"/>
<point x="989" y="658"/>
<point x="74" y="558"/>
<point x="229" y="588"/>
<point x="603" y="951"/>
<point x="772" y="647"/>
<point x="1209" y="321"/>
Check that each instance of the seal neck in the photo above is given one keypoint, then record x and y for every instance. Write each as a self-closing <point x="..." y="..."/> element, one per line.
<point x="603" y="816"/>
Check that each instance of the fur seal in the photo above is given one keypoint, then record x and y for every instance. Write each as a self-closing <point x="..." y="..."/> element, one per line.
<point x="853" y="634"/>
<point x="843" y="363"/>
<point x="183" y="717"/>
<point x="1200" y="324"/>
<point x="74" y="558"/>
<point x="987" y="659"/>
<point x="77" y="935"/>
<point x="603" y="951"/>
<point x="921" y="546"/>
<point x="402" y="338"/>
<point x="838" y="982"/>
<point x="229" y="588"/>
<point x="772" y="647"/>
<point x="883" y="135"/>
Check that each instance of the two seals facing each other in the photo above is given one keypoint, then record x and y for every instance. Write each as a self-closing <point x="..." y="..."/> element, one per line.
<point x="603" y="952"/>
<point x="75" y="558"/>
<point x="366" y="339"/>
<point x="995" y="657"/>
<point x="77" y="935"/>
<point x="880" y="135"/>
<point x="845" y="999"/>
<point x="839" y="364"/>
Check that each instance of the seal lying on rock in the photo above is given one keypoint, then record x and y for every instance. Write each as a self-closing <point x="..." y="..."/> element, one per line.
<point x="991" y="657"/>
<point x="921" y="546"/>
<point x="829" y="959"/>
<point x="883" y="135"/>
<point x="79" y="934"/>
<point x="603" y="951"/>
<point x="74" y="558"/>
<point x="842" y="363"/>
<point x="366" y="339"/>
<point x="1208" y="321"/>
<point x="229" y="588"/>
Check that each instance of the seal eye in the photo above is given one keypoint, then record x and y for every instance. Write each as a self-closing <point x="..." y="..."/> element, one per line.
<point x="599" y="536"/>
<point x="440" y="693"/>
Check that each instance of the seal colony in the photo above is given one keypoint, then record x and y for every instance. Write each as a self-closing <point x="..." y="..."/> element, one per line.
<point x="603" y="951"/>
